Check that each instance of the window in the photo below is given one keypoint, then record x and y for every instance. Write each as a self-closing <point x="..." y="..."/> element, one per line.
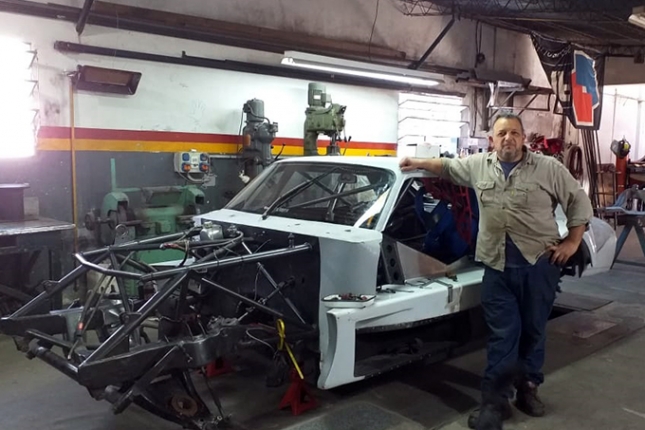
<point x="430" y="120"/>
<point x="338" y="193"/>
<point x="17" y="88"/>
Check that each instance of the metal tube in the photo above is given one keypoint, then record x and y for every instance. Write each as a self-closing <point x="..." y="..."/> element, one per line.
<point x="276" y="290"/>
<point x="227" y="262"/>
<point x="124" y="247"/>
<point x="252" y="302"/>
<point x="54" y="341"/>
<point x="338" y="196"/>
<point x="144" y="312"/>
<point x="125" y="300"/>
<point x="138" y="247"/>
<point x="120" y="283"/>
<point x="56" y="361"/>
<point x="106" y="271"/>
<point x="82" y="19"/>
<point x="415" y="65"/>
<point x="136" y="264"/>
<point x="65" y="281"/>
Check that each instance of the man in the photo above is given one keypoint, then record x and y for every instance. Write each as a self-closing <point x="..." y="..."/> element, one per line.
<point x="520" y="247"/>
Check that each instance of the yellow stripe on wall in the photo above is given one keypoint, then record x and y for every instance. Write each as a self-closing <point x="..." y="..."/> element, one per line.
<point x="55" y="144"/>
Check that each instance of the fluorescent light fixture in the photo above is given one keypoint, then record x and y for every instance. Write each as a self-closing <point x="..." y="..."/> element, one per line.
<point x="638" y="17"/>
<point x="357" y="68"/>
<point x="512" y="85"/>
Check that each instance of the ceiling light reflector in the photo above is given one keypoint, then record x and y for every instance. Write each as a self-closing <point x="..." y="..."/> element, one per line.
<point x="365" y="70"/>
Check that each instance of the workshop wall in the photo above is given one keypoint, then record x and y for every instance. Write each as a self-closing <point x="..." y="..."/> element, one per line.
<point x="180" y="107"/>
<point x="624" y="71"/>
<point x="381" y="22"/>
<point x="623" y="116"/>
<point x="175" y="108"/>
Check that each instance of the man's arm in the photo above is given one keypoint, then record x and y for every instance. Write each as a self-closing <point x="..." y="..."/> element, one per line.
<point x="577" y="208"/>
<point x="456" y="170"/>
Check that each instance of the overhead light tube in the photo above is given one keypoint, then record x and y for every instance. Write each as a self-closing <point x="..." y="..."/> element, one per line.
<point x="357" y="68"/>
<point x="637" y="17"/>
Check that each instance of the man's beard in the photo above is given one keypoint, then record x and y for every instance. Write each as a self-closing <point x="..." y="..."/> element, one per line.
<point x="508" y="154"/>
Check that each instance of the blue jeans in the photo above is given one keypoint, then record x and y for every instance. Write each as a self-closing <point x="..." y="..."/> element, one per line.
<point x="517" y="303"/>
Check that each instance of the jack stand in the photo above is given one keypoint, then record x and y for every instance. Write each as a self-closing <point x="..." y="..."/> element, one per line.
<point x="298" y="396"/>
<point x="632" y="222"/>
<point x="218" y="367"/>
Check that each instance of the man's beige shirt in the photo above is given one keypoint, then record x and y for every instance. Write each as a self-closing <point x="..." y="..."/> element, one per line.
<point x="522" y="205"/>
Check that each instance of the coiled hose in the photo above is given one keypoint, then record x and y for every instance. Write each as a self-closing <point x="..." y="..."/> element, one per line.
<point x="574" y="162"/>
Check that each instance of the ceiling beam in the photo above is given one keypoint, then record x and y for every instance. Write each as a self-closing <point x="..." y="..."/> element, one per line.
<point x="202" y="29"/>
<point x="248" y="36"/>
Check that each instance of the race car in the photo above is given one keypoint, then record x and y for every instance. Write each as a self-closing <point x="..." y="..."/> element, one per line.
<point x="335" y="269"/>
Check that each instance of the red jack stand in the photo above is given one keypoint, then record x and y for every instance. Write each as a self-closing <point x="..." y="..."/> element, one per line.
<point x="298" y="396"/>
<point x="218" y="367"/>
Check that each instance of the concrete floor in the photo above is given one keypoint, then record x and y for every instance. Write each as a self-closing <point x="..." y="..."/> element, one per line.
<point x="604" y="390"/>
<point x="594" y="380"/>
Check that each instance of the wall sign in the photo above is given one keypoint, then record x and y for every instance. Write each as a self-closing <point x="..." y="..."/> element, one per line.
<point x="576" y="77"/>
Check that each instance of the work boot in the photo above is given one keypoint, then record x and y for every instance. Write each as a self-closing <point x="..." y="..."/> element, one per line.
<point x="528" y="400"/>
<point x="507" y="414"/>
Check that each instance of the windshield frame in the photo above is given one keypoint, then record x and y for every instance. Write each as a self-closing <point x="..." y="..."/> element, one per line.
<point x="390" y="181"/>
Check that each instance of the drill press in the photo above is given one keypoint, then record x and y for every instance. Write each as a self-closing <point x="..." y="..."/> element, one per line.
<point x="323" y="117"/>
<point x="258" y="134"/>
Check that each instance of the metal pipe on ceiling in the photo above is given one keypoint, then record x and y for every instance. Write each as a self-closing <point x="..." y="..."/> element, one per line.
<point x="238" y="66"/>
<point x="85" y="13"/>
<point x="557" y="20"/>
<point x="113" y="20"/>
<point x="72" y="14"/>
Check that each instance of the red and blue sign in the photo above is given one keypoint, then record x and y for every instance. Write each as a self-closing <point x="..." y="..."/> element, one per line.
<point x="576" y="79"/>
<point x="585" y="94"/>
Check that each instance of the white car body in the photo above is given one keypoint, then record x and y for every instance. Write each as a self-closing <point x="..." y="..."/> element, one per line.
<point x="349" y="258"/>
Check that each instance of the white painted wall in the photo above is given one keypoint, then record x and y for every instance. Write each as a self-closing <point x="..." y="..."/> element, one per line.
<point x="623" y="116"/>
<point x="181" y="98"/>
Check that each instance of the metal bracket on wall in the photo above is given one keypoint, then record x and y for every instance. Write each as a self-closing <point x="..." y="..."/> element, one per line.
<point x="494" y="90"/>
<point x="416" y="64"/>
<point x="495" y="107"/>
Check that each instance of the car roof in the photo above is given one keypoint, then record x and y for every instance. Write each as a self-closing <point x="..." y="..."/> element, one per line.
<point x="391" y="163"/>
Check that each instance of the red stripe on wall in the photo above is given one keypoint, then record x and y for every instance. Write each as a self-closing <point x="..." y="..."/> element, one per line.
<point x="52" y="132"/>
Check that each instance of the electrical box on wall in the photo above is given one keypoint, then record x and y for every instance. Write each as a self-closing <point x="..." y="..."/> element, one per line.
<point x="192" y="162"/>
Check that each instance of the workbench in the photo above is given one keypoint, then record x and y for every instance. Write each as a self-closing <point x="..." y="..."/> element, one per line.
<point x="33" y="238"/>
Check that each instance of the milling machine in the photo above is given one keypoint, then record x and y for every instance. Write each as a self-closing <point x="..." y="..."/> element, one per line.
<point x="323" y="117"/>
<point x="258" y="134"/>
